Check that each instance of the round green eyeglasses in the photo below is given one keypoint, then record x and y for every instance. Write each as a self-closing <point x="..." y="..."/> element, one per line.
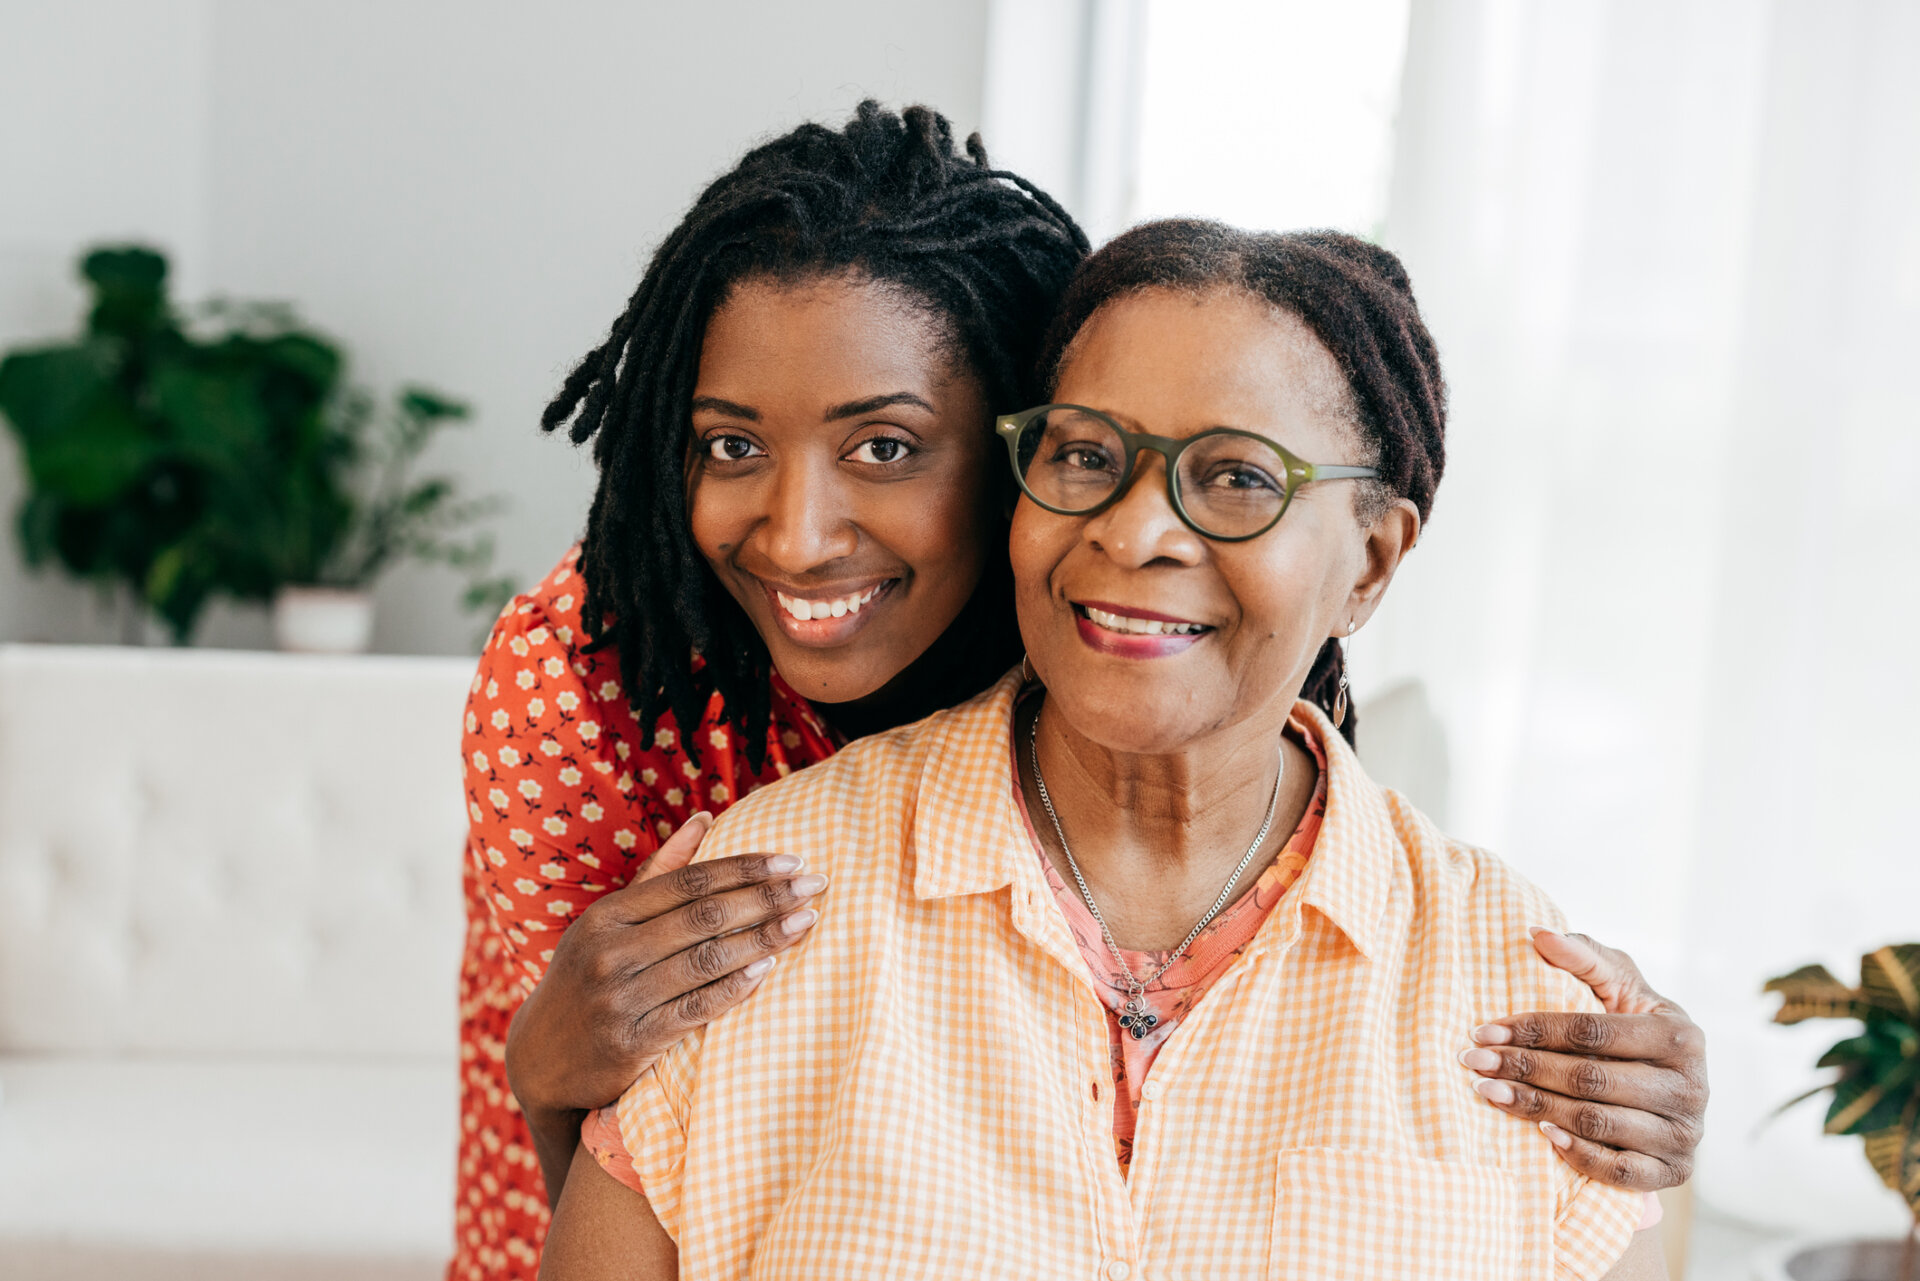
<point x="1227" y="484"/>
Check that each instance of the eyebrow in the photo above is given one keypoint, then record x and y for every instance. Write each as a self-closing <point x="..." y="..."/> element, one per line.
<point x="854" y="408"/>
<point x="725" y="407"/>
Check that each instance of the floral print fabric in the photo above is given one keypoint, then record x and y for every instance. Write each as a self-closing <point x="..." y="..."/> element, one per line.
<point x="566" y="798"/>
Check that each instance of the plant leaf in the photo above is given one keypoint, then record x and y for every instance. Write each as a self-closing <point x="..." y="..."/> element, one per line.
<point x="130" y="289"/>
<point x="1890" y="980"/>
<point x="1862" y="1103"/>
<point x="95" y="457"/>
<point x="214" y="414"/>
<point x="1894" y="1154"/>
<point x="1813" y="993"/>
<point x="1853" y="1050"/>
<point x="418" y="402"/>
<point x="43" y="389"/>
<point x="315" y="362"/>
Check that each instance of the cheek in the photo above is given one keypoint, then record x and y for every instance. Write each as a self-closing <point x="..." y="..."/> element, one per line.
<point x="1035" y="545"/>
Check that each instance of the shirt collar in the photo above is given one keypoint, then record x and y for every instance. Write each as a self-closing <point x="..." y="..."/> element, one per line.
<point x="968" y="838"/>
<point x="1350" y="874"/>
<point x="966" y="832"/>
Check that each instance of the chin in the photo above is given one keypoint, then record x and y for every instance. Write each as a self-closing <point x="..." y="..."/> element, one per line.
<point x="1138" y="721"/>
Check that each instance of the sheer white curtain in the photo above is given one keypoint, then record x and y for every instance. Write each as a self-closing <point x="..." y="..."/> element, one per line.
<point x="1665" y="612"/>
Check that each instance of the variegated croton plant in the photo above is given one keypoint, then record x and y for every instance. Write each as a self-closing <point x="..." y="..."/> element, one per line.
<point x="1877" y="1094"/>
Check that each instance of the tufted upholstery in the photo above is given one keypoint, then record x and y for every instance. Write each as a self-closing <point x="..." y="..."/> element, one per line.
<point x="250" y="853"/>
<point x="226" y="879"/>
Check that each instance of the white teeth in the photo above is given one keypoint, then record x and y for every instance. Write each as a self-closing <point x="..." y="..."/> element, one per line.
<point x="807" y="610"/>
<point x="1141" y="626"/>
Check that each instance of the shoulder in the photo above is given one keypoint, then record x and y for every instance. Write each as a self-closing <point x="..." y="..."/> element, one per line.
<point x="1491" y="910"/>
<point x="872" y="787"/>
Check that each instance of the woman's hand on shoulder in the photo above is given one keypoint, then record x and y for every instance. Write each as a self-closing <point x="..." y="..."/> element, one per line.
<point x="646" y="964"/>
<point x="1622" y="1094"/>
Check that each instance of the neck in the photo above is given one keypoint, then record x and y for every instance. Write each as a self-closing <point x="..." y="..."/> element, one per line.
<point x="973" y="653"/>
<point x="1157" y="836"/>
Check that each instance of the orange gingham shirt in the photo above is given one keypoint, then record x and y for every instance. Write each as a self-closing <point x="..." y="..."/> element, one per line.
<point x="924" y="1087"/>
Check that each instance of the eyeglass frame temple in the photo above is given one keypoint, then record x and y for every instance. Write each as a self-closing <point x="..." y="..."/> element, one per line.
<point x="1299" y="470"/>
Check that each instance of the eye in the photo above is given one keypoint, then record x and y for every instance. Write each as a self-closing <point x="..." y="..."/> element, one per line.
<point x="1084" y="457"/>
<point x="880" y="449"/>
<point x="732" y="449"/>
<point x="1243" y="477"/>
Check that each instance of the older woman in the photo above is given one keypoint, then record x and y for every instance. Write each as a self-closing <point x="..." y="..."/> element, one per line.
<point x="1160" y="983"/>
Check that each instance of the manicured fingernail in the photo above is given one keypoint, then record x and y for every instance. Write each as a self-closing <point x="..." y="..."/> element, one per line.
<point x="1556" y="1136"/>
<point x="799" y="921"/>
<point x="760" y="967"/>
<point x="1493" y="1091"/>
<point x="1480" y="1060"/>
<point x="704" y="818"/>
<point x="1492" y="1034"/>
<point x="781" y="864"/>
<point x="806" y="885"/>
<point x="1535" y="931"/>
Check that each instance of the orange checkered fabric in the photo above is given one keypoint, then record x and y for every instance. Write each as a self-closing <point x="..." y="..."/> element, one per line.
<point x="924" y="1087"/>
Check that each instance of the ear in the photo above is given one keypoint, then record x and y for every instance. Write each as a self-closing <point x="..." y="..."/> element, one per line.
<point x="1387" y="542"/>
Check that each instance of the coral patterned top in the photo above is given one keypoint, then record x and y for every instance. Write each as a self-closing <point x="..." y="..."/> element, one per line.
<point x="565" y="799"/>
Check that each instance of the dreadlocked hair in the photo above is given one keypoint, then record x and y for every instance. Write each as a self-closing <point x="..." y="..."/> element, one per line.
<point x="888" y="198"/>
<point x="1354" y="296"/>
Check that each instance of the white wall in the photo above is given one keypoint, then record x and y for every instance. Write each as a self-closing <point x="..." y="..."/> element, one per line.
<point x="465" y="195"/>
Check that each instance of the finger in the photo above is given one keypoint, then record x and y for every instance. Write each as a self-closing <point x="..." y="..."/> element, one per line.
<point x="1654" y="1155"/>
<point x="714" y="917"/>
<point x="715" y="958"/>
<point x="1611" y="973"/>
<point x="1632" y="1084"/>
<point x="1630" y="1170"/>
<point x="679" y="848"/>
<point x="1667" y="1039"/>
<point x="643" y="900"/>
<point x="672" y="1019"/>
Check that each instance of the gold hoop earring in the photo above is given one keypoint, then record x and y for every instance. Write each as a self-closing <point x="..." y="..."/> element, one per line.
<point x="1027" y="675"/>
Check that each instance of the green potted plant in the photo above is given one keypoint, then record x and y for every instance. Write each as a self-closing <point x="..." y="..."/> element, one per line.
<point x="324" y="603"/>
<point x="175" y="459"/>
<point x="1875" y="1094"/>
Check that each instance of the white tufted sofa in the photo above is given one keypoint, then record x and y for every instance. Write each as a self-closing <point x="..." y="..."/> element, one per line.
<point x="229" y="941"/>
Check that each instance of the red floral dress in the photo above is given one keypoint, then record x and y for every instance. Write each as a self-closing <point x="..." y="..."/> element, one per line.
<point x="565" y="799"/>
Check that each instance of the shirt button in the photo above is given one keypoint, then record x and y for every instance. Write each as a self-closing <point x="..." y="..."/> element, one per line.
<point x="1118" y="1270"/>
<point x="1151" y="1090"/>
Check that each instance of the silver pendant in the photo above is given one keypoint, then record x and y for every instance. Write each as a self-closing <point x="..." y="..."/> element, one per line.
<point x="1136" y="1018"/>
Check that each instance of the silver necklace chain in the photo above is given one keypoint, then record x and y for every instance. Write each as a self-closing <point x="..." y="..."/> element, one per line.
<point x="1135" y="1017"/>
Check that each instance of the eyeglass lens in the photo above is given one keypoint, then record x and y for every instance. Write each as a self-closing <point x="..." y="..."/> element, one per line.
<point x="1231" y="486"/>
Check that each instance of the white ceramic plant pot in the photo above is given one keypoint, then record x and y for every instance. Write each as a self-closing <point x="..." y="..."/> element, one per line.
<point x="1861" y="1260"/>
<point x="322" y="620"/>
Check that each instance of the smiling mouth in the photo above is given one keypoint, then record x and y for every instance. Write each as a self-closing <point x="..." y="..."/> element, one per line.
<point x="804" y="609"/>
<point x="1137" y="624"/>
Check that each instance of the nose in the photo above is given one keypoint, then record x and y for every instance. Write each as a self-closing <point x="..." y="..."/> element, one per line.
<point x="1142" y="527"/>
<point x="807" y="521"/>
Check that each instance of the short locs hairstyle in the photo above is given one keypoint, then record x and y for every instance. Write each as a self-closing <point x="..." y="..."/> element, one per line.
<point x="888" y="197"/>
<point x="1355" y="297"/>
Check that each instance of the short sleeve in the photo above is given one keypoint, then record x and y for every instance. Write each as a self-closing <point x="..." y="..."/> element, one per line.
<point x="600" y="1136"/>
<point x="652" y="1117"/>
<point x="553" y="819"/>
<point x="1594" y="1222"/>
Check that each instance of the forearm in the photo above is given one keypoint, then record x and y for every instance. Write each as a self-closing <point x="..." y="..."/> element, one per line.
<point x="555" y="1132"/>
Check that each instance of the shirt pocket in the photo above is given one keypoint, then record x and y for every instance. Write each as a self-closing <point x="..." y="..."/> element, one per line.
<point x="1360" y="1215"/>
